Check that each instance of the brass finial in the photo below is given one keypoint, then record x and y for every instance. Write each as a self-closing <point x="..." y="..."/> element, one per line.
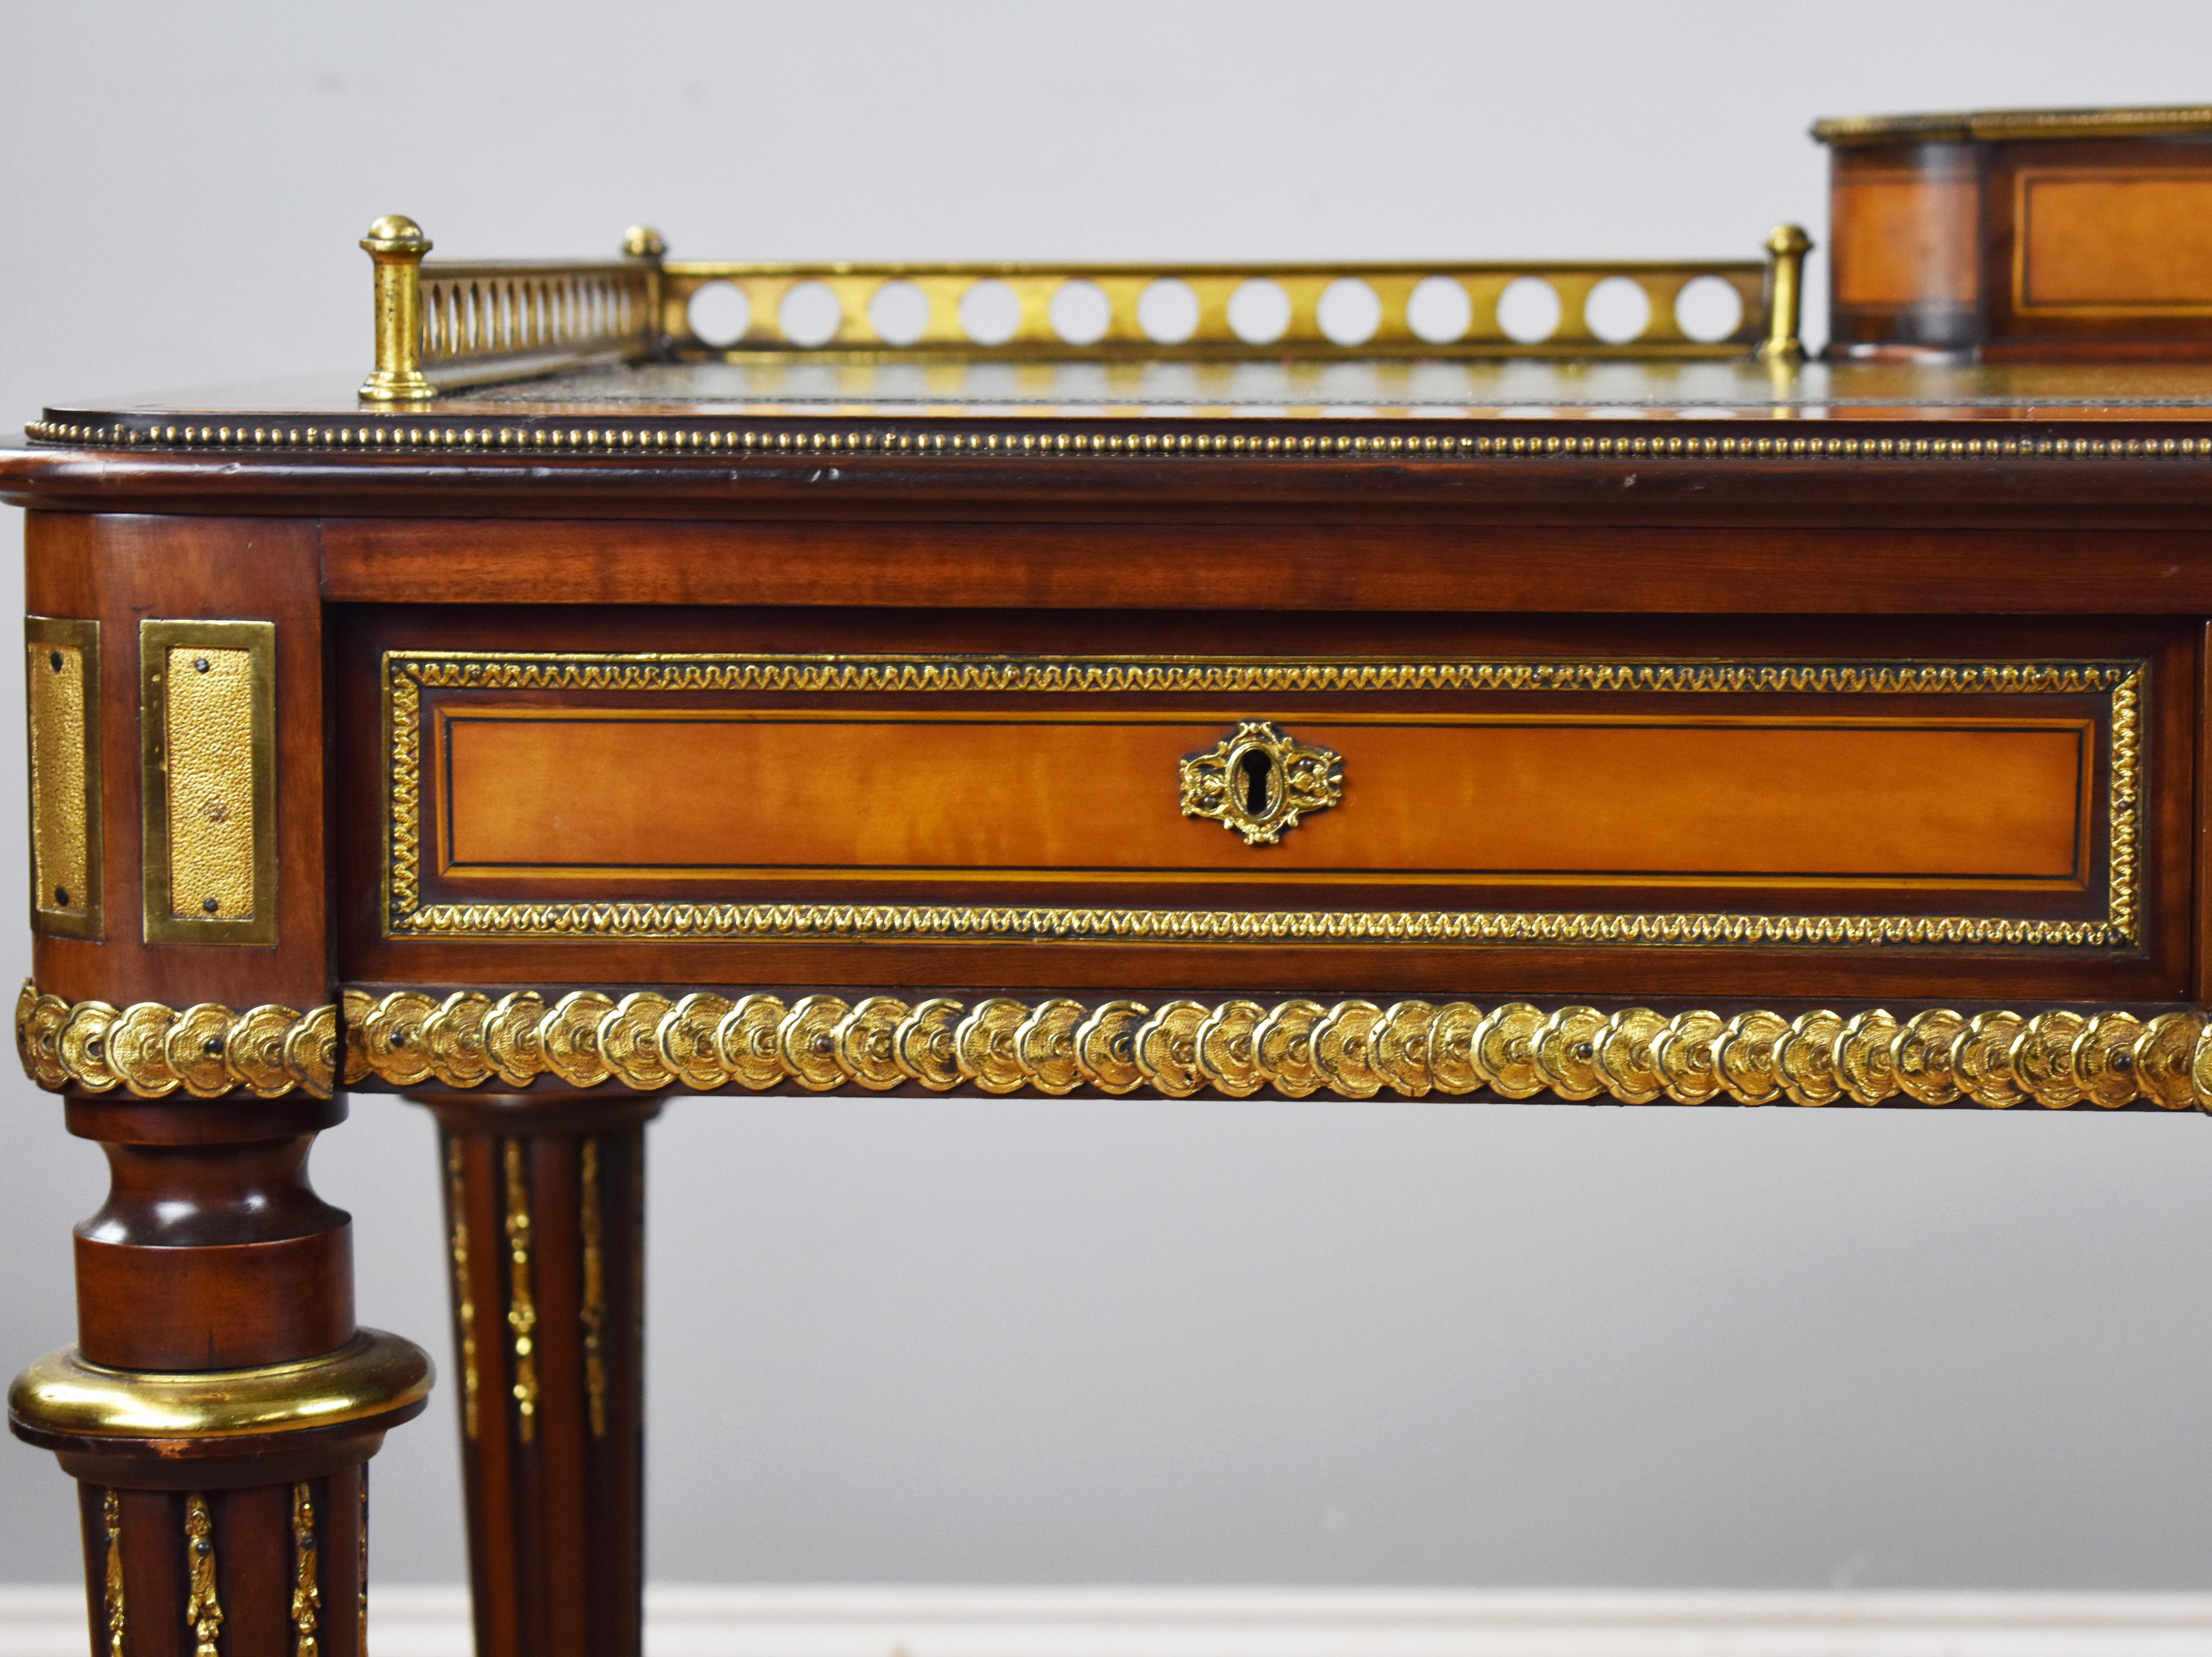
<point x="643" y="244"/>
<point x="395" y="232"/>
<point x="1786" y="247"/>
<point x="396" y="245"/>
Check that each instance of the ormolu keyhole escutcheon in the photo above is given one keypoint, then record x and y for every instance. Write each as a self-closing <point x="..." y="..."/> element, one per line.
<point x="1259" y="781"/>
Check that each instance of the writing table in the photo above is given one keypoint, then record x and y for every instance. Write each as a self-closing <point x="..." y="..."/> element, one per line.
<point x="890" y="692"/>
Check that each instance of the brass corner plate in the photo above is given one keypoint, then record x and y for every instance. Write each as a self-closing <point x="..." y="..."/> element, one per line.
<point x="1259" y="781"/>
<point x="62" y="669"/>
<point x="207" y="724"/>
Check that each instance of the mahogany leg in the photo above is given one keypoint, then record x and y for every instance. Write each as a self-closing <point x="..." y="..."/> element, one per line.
<point x="220" y="1406"/>
<point x="545" y="1217"/>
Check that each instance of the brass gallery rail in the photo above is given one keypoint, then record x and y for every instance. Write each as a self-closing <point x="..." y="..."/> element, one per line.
<point x="452" y="324"/>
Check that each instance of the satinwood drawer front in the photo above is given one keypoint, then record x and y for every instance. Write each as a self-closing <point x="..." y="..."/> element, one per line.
<point x="1032" y="800"/>
<point x="1962" y="800"/>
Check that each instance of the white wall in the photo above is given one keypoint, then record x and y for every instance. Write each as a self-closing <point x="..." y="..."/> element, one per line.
<point x="1037" y="1342"/>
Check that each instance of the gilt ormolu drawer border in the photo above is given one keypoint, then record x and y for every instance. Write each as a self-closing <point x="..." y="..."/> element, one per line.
<point x="407" y="674"/>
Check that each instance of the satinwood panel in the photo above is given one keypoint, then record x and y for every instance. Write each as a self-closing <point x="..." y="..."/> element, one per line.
<point x="569" y="795"/>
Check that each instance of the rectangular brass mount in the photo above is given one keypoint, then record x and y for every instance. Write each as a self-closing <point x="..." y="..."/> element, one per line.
<point x="62" y="659"/>
<point x="207" y="721"/>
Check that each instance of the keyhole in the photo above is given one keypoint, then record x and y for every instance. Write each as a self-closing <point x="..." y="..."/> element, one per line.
<point x="1259" y="771"/>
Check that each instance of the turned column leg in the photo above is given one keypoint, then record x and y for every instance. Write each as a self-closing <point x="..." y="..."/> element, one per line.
<point x="220" y="1406"/>
<point x="545" y="1216"/>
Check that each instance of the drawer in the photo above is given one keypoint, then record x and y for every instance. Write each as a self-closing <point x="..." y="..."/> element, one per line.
<point x="1951" y="803"/>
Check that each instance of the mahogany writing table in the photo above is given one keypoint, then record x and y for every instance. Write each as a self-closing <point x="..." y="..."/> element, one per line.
<point x="887" y="692"/>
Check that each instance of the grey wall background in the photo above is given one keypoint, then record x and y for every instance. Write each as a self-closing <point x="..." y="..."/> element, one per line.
<point x="1036" y="1342"/>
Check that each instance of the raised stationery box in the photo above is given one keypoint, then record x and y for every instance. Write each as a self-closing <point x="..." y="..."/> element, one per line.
<point x="2022" y="232"/>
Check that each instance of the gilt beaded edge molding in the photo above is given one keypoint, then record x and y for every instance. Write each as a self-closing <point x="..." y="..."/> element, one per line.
<point x="153" y="1051"/>
<point x="407" y="674"/>
<point x="1355" y="1049"/>
<point x="389" y="436"/>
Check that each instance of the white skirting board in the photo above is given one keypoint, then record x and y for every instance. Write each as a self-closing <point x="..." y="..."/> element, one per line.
<point x="875" y="1622"/>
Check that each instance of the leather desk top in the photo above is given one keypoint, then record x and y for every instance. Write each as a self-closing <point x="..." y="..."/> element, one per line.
<point x="798" y="384"/>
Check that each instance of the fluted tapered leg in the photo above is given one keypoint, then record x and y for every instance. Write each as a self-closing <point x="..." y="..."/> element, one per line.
<point x="546" y="1227"/>
<point x="220" y="1406"/>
